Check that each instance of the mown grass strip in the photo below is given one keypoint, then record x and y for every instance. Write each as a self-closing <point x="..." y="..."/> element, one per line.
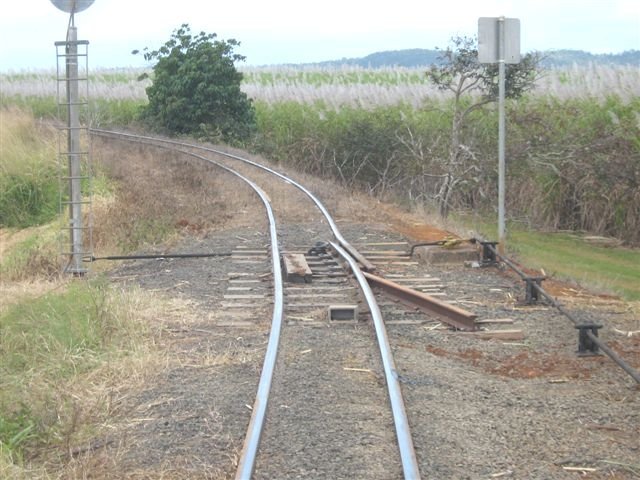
<point x="568" y="256"/>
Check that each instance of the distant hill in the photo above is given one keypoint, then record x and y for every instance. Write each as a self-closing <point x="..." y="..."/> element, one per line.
<point x="567" y="58"/>
<point x="419" y="57"/>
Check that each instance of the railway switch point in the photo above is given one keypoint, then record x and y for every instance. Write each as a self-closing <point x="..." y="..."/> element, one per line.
<point x="586" y="346"/>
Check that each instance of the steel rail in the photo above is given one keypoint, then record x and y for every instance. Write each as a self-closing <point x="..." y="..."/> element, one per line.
<point x="403" y="432"/>
<point x="450" y="314"/>
<point x="368" y="266"/>
<point x="594" y="338"/>
<point x="246" y="463"/>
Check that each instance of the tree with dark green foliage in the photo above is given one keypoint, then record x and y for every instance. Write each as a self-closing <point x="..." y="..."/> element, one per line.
<point x="196" y="88"/>
<point x="460" y="72"/>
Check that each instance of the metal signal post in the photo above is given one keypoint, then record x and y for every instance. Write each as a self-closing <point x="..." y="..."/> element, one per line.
<point x="501" y="166"/>
<point x="499" y="42"/>
<point x="75" y="181"/>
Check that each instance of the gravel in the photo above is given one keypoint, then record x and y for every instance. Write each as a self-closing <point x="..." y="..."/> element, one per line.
<point x="526" y="409"/>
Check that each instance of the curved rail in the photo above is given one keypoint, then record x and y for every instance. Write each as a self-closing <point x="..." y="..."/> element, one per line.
<point x="403" y="433"/>
<point x="332" y="224"/>
<point x="258" y="413"/>
<point x="248" y="455"/>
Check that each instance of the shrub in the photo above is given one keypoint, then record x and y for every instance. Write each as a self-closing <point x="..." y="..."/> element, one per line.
<point x="196" y="88"/>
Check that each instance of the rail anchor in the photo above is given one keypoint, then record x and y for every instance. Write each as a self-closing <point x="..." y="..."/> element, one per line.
<point x="587" y="347"/>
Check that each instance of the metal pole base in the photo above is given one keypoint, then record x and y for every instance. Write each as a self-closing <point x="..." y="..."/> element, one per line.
<point x="531" y="289"/>
<point x="586" y="346"/>
<point x="488" y="254"/>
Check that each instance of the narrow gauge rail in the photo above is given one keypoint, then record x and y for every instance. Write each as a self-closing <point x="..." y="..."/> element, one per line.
<point x="249" y="452"/>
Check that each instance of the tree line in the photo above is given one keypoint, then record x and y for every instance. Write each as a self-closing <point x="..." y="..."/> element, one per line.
<point x="572" y="164"/>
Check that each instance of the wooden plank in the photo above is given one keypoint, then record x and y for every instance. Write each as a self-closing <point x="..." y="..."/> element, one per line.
<point x="315" y="295"/>
<point x="296" y="268"/>
<point x="335" y="288"/>
<point x="497" y="334"/>
<point x="494" y="320"/>
<point x="236" y="323"/>
<point x="315" y="305"/>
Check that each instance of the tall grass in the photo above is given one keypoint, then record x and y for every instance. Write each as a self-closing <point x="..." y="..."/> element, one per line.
<point x="28" y="171"/>
<point x="572" y="143"/>
<point x="335" y="87"/>
<point x="51" y="350"/>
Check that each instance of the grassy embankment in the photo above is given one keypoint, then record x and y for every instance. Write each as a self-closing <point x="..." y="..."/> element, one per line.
<point x="67" y="348"/>
<point x="566" y="256"/>
<point x="573" y="257"/>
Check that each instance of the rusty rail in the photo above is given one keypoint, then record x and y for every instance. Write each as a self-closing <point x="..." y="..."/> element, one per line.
<point x="449" y="314"/>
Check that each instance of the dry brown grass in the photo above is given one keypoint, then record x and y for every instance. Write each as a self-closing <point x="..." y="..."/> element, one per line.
<point x="161" y="195"/>
<point x="345" y="204"/>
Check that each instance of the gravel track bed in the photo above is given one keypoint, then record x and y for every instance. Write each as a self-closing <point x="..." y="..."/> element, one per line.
<point x="478" y="408"/>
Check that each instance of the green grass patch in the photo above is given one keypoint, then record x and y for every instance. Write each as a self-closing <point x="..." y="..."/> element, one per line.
<point x="568" y="256"/>
<point x="28" y="171"/>
<point x="36" y="255"/>
<point x="47" y="347"/>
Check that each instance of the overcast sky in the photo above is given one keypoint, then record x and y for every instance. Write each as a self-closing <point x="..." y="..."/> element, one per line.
<point x="296" y="31"/>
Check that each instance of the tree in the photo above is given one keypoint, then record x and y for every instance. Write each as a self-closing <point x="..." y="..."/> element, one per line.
<point x="460" y="72"/>
<point x="196" y="88"/>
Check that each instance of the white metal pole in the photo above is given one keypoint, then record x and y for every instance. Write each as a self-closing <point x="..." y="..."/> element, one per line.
<point x="73" y="151"/>
<point x="501" y="135"/>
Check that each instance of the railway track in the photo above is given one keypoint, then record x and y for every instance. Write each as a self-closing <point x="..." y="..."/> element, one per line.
<point x="359" y="436"/>
<point x="356" y="261"/>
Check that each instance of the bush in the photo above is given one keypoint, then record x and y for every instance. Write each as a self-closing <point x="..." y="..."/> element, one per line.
<point x="196" y="89"/>
<point x="571" y="164"/>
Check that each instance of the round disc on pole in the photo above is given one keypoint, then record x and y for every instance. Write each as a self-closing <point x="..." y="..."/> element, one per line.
<point x="72" y="6"/>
